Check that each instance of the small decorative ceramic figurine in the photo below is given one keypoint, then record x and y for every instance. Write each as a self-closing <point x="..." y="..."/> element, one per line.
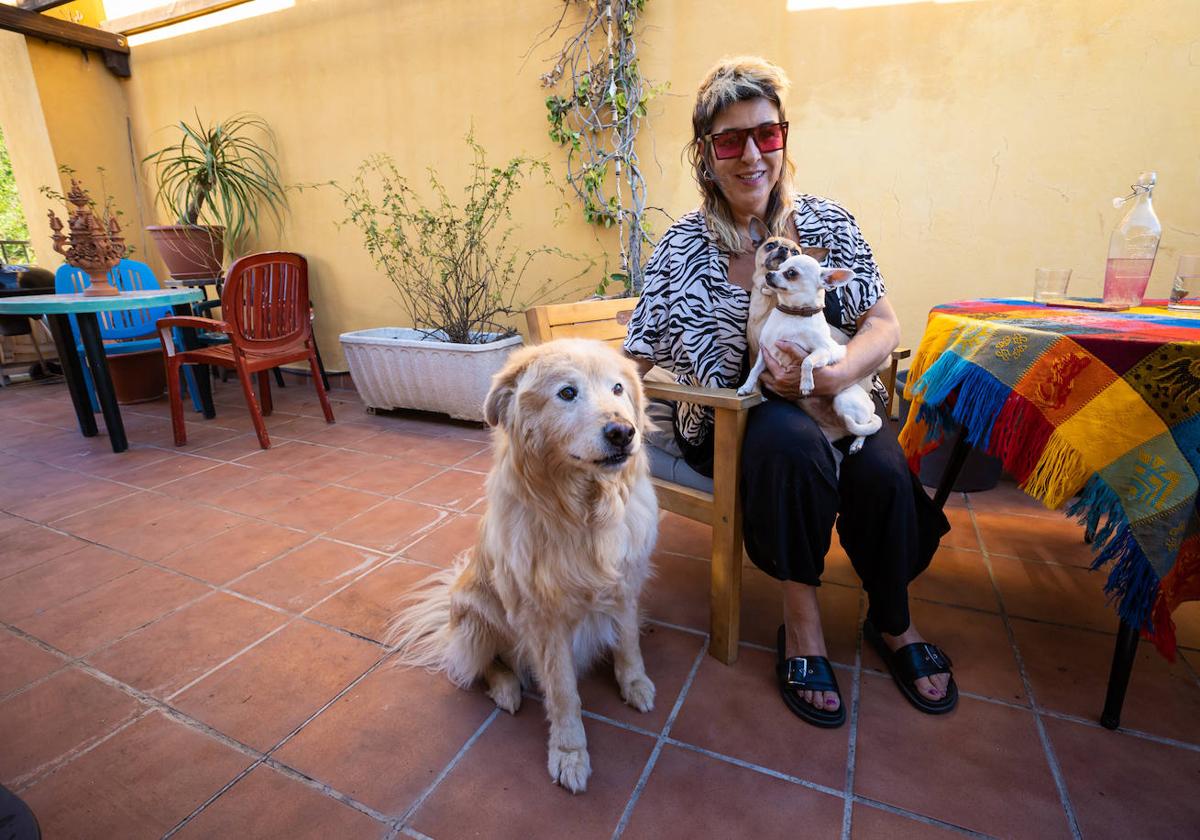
<point x="94" y="244"/>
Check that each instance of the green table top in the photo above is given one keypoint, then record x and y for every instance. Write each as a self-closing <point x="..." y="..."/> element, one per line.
<point x="60" y="304"/>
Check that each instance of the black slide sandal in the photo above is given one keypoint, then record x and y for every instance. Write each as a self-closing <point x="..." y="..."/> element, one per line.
<point x="807" y="673"/>
<point x="912" y="662"/>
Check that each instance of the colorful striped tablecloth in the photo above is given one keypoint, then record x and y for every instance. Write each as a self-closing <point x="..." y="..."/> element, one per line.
<point x="1099" y="407"/>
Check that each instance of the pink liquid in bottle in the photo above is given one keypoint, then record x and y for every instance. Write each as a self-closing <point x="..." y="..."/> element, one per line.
<point x="1125" y="280"/>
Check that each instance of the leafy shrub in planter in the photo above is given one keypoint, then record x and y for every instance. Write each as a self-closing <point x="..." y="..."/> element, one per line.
<point x="454" y="265"/>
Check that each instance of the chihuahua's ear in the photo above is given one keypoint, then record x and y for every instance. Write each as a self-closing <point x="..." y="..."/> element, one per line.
<point x="834" y="277"/>
<point x="497" y="405"/>
<point x="758" y="231"/>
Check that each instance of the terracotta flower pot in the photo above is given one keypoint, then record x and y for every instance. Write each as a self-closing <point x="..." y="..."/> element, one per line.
<point x="190" y="251"/>
<point x="138" y="377"/>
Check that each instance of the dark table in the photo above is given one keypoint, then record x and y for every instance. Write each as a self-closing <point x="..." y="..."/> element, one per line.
<point x="58" y="308"/>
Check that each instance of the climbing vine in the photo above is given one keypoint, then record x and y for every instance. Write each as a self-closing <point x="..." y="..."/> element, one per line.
<point x="597" y="104"/>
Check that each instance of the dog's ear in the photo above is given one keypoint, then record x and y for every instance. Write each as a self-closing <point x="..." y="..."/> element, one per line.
<point x="758" y="231"/>
<point x="834" y="277"/>
<point x="504" y="387"/>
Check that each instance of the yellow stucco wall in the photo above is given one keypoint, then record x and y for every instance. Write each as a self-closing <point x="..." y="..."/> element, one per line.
<point x="973" y="141"/>
<point x="60" y="106"/>
<point x="86" y="110"/>
<point x="27" y="138"/>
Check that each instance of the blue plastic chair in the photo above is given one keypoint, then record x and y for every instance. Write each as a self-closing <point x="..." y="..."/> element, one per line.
<point x="123" y="331"/>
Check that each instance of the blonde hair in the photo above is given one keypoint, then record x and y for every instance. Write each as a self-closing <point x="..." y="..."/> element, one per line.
<point x="736" y="80"/>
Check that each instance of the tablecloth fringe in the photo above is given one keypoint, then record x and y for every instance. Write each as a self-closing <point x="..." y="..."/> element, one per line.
<point x="1132" y="584"/>
<point x="954" y="391"/>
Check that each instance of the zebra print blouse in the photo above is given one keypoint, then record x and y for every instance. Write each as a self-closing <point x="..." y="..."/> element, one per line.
<point x="691" y="321"/>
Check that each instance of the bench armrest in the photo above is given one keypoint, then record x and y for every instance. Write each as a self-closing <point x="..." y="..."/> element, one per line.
<point x="711" y="397"/>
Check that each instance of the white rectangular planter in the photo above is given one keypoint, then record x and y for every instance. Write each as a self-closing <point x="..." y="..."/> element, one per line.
<point x="396" y="367"/>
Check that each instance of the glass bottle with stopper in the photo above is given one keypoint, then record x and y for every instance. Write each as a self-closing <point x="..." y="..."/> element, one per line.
<point x="1133" y="245"/>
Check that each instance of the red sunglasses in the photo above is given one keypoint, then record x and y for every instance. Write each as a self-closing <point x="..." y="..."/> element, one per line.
<point x="770" y="137"/>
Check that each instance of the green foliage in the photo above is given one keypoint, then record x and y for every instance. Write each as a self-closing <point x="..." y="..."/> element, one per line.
<point x="454" y="265"/>
<point x="12" y="219"/>
<point x="221" y="174"/>
<point x="595" y="115"/>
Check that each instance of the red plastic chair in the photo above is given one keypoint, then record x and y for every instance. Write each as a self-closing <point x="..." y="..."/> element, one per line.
<point x="266" y="315"/>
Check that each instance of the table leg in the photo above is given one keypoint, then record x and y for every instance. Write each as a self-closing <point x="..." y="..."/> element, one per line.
<point x="1118" y="676"/>
<point x="93" y="346"/>
<point x="203" y="376"/>
<point x="954" y="465"/>
<point x="68" y="359"/>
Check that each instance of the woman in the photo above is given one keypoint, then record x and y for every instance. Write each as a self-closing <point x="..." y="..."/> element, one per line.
<point x="691" y="320"/>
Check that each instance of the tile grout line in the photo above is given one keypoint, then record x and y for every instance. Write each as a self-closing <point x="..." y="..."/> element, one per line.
<point x="49" y="768"/>
<point x="411" y="810"/>
<point x="776" y="774"/>
<point x="921" y="818"/>
<point x="290" y="616"/>
<point x="852" y="740"/>
<point x="267" y="755"/>
<point x="385" y="558"/>
<point x="152" y="704"/>
<point x="636" y="794"/>
<point x="1047" y="748"/>
<point x="1038" y="712"/>
<point x="408" y="831"/>
<point x="289" y="771"/>
<point x="1133" y="733"/>
<point x="757" y="768"/>
<point x="156" y="489"/>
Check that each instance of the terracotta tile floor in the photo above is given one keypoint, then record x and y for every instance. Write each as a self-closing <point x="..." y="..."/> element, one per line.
<point x="189" y="645"/>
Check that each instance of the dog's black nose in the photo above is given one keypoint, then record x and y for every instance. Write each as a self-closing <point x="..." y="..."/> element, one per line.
<point x="618" y="434"/>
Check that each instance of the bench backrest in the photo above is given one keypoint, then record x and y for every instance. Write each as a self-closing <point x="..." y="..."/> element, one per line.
<point x="603" y="319"/>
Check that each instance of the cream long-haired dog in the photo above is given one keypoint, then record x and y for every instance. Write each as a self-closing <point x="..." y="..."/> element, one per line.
<point x="563" y="549"/>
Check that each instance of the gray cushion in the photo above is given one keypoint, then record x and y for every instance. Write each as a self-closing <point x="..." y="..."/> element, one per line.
<point x="666" y="461"/>
<point x="673" y="468"/>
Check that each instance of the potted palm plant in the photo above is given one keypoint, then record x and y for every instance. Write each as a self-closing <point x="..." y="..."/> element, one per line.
<point x="213" y="181"/>
<point x="458" y="275"/>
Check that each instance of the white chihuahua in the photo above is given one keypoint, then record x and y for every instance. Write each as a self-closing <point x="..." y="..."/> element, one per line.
<point x="798" y="286"/>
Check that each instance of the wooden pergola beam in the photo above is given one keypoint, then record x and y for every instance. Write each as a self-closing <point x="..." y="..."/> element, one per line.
<point x="166" y="15"/>
<point x="40" y="5"/>
<point x="113" y="46"/>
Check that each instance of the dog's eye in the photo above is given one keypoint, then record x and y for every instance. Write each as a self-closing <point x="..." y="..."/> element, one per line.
<point x="567" y="393"/>
<point x="618" y="389"/>
<point x="791" y="272"/>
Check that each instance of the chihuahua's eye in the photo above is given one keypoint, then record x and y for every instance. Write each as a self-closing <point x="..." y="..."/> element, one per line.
<point x="790" y="273"/>
<point x="567" y="393"/>
<point x="618" y="389"/>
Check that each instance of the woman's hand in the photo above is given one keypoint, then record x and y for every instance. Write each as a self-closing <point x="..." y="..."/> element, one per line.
<point x="782" y="375"/>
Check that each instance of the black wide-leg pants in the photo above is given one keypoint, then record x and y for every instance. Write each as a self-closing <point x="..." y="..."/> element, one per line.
<point x="793" y="493"/>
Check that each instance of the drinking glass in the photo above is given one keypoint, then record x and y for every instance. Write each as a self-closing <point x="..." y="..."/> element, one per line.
<point x="1185" y="292"/>
<point x="1050" y="283"/>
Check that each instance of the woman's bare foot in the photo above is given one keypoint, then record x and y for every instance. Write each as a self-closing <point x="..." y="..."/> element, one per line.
<point x="804" y="637"/>
<point x="931" y="688"/>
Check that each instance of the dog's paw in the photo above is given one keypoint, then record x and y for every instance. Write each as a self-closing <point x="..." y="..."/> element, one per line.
<point x="506" y="693"/>
<point x="745" y="390"/>
<point x="639" y="693"/>
<point x="570" y="767"/>
<point x="856" y="445"/>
